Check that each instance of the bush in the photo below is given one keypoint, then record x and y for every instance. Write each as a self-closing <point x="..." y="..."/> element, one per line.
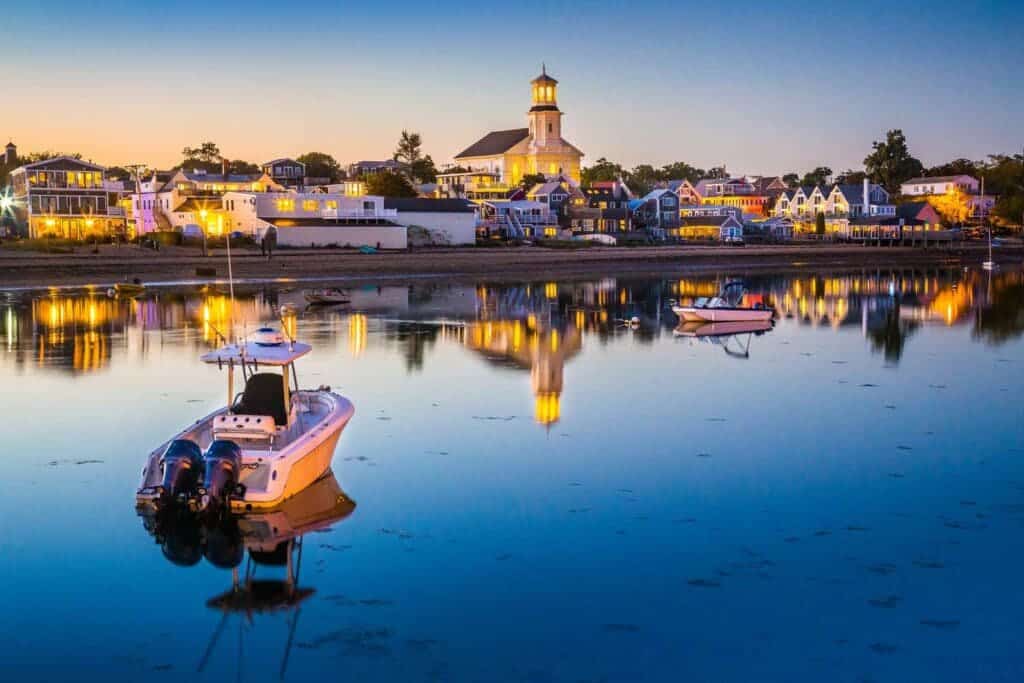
<point x="564" y="244"/>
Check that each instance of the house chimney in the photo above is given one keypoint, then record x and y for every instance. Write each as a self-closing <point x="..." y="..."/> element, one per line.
<point x="867" y="197"/>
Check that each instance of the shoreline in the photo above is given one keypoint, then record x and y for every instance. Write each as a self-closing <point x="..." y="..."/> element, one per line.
<point x="21" y="271"/>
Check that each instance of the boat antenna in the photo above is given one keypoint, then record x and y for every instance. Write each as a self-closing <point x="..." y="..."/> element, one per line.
<point x="231" y="282"/>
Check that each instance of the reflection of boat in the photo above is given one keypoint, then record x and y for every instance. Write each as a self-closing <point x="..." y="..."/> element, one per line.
<point x="731" y="305"/>
<point x="272" y="540"/>
<point x="702" y="328"/>
<point x="135" y="288"/>
<point x="727" y="335"/>
<point x="272" y="440"/>
<point x="327" y="297"/>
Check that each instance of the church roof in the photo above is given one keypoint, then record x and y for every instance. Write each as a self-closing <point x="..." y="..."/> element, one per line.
<point x="494" y="143"/>
<point x="544" y="78"/>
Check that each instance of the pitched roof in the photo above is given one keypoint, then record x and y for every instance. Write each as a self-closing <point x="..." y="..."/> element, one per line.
<point x="495" y="142"/>
<point x="64" y="163"/>
<point x="220" y="178"/>
<point x="546" y="188"/>
<point x="198" y="204"/>
<point x="911" y="209"/>
<point x="937" y="179"/>
<point x="426" y="205"/>
<point x="284" y="160"/>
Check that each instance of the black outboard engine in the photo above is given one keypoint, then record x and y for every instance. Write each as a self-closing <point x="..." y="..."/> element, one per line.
<point x="223" y="465"/>
<point x="181" y="466"/>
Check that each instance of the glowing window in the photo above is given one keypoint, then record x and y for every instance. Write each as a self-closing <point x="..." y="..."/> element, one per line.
<point x="286" y="205"/>
<point x="310" y="205"/>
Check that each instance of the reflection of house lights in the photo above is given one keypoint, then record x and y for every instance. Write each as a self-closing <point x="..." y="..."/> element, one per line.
<point x="356" y="334"/>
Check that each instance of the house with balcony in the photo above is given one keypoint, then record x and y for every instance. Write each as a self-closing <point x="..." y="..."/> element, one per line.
<point x="361" y="169"/>
<point x="475" y="185"/>
<point x="168" y="201"/>
<point x="739" y="193"/>
<point x="315" y="219"/>
<point x="66" y="197"/>
<point x="516" y="219"/>
<point x="287" y="172"/>
<point x="601" y="207"/>
<point x="658" y="213"/>
<point x="838" y="204"/>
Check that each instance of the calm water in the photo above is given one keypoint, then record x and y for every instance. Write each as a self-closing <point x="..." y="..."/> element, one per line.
<point x="542" y="493"/>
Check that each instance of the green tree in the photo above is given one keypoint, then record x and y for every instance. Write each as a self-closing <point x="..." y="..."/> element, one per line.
<point x="387" y="184"/>
<point x="602" y="171"/>
<point x="680" y="170"/>
<point x="321" y="165"/>
<point x="851" y="177"/>
<point x="819" y="224"/>
<point x="791" y="179"/>
<point x="818" y="176"/>
<point x="531" y="179"/>
<point x="957" y="167"/>
<point x="424" y="170"/>
<point x="240" y="167"/>
<point x="890" y="162"/>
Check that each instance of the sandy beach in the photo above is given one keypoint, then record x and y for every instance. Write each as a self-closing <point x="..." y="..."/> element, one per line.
<point x="20" y="269"/>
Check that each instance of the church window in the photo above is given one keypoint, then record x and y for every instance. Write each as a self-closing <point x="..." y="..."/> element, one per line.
<point x="549" y="127"/>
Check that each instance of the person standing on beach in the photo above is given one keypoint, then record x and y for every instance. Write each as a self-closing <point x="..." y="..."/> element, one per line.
<point x="270" y="241"/>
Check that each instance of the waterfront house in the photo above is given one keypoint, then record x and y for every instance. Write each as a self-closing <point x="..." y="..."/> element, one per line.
<point x="661" y="212"/>
<point x="66" y="197"/>
<point x="739" y="193"/>
<point x="978" y="205"/>
<point x="601" y="207"/>
<point x="170" y="201"/>
<point x="552" y="194"/>
<point x="919" y="187"/>
<point x="476" y="186"/>
<point x="537" y="149"/>
<point x="709" y="227"/>
<point x="447" y="221"/>
<point x="685" y="190"/>
<point x="922" y="213"/>
<point x="287" y="172"/>
<point x="517" y="219"/>
<point x="305" y="219"/>
<point x="361" y="169"/>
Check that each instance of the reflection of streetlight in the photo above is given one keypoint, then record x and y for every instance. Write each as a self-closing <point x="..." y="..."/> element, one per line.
<point x="202" y="227"/>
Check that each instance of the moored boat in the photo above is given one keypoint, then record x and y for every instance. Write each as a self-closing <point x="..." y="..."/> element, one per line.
<point x="269" y="443"/>
<point x="731" y="305"/>
<point x="327" y="297"/>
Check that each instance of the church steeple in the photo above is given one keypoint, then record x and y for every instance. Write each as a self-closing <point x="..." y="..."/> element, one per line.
<point x="545" y="117"/>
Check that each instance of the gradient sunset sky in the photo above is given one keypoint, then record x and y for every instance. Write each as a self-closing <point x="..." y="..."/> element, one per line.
<point x="763" y="87"/>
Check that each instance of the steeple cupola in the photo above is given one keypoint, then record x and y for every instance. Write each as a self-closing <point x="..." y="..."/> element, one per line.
<point x="545" y="117"/>
<point x="545" y="92"/>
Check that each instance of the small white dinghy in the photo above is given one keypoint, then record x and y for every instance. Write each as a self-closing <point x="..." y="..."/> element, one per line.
<point x="269" y="443"/>
<point x="724" y="308"/>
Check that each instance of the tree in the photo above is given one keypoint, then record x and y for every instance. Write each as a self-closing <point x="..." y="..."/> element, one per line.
<point x="388" y="184"/>
<point x="240" y="167"/>
<point x="321" y="165"/>
<point x="424" y="170"/>
<point x="531" y="179"/>
<point x="680" y="170"/>
<point x="791" y="180"/>
<point x="851" y="177"/>
<point x="643" y="178"/>
<point x="890" y="162"/>
<point x="819" y="224"/>
<point x="207" y="152"/>
<point x="602" y="171"/>
<point x="954" y="206"/>
<point x="718" y="173"/>
<point x="818" y="176"/>
<point x="956" y="167"/>
<point x="119" y="173"/>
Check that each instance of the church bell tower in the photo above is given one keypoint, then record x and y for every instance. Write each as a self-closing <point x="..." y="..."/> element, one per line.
<point x="545" y="117"/>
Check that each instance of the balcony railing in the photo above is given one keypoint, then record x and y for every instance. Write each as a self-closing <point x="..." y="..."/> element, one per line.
<point x="359" y="213"/>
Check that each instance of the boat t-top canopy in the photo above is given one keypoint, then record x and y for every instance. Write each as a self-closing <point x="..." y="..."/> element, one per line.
<point x="249" y="352"/>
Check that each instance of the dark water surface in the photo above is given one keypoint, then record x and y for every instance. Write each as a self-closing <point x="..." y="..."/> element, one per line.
<point x="541" y="492"/>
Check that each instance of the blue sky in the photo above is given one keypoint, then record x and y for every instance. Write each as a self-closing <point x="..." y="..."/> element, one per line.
<point x="762" y="87"/>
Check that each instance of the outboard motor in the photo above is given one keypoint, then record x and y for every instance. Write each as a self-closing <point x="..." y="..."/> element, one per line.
<point x="181" y="466"/>
<point x="223" y="465"/>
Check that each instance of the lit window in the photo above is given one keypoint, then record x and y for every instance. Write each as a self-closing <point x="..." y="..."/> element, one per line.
<point x="310" y="205"/>
<point x="286" y="205"/>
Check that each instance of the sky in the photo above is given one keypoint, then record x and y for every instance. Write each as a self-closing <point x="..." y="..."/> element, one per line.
<point x="765" y="88"/>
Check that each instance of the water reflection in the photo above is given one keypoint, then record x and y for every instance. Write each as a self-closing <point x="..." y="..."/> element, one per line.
<point x="269" y="542"/>
<point x="534" y="327"/>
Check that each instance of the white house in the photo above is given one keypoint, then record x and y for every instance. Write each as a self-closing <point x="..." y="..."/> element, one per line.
<point x="843" y="201"/>
<point x="448" y="221"/>
<point x="940" y="185"/>
<point x="316" y="219"/>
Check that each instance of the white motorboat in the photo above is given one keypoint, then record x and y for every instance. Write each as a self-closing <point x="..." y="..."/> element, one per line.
<point x="269" y="443"/>
<point x="726" y="307"/>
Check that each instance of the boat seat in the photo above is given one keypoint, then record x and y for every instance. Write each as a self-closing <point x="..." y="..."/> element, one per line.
<point x="243" y="427"/>
<point x="263" y="395"/>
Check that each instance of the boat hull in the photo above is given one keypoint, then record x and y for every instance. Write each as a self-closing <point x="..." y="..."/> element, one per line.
<point x="702" y="328"/>
<point x="722" y="315"/>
